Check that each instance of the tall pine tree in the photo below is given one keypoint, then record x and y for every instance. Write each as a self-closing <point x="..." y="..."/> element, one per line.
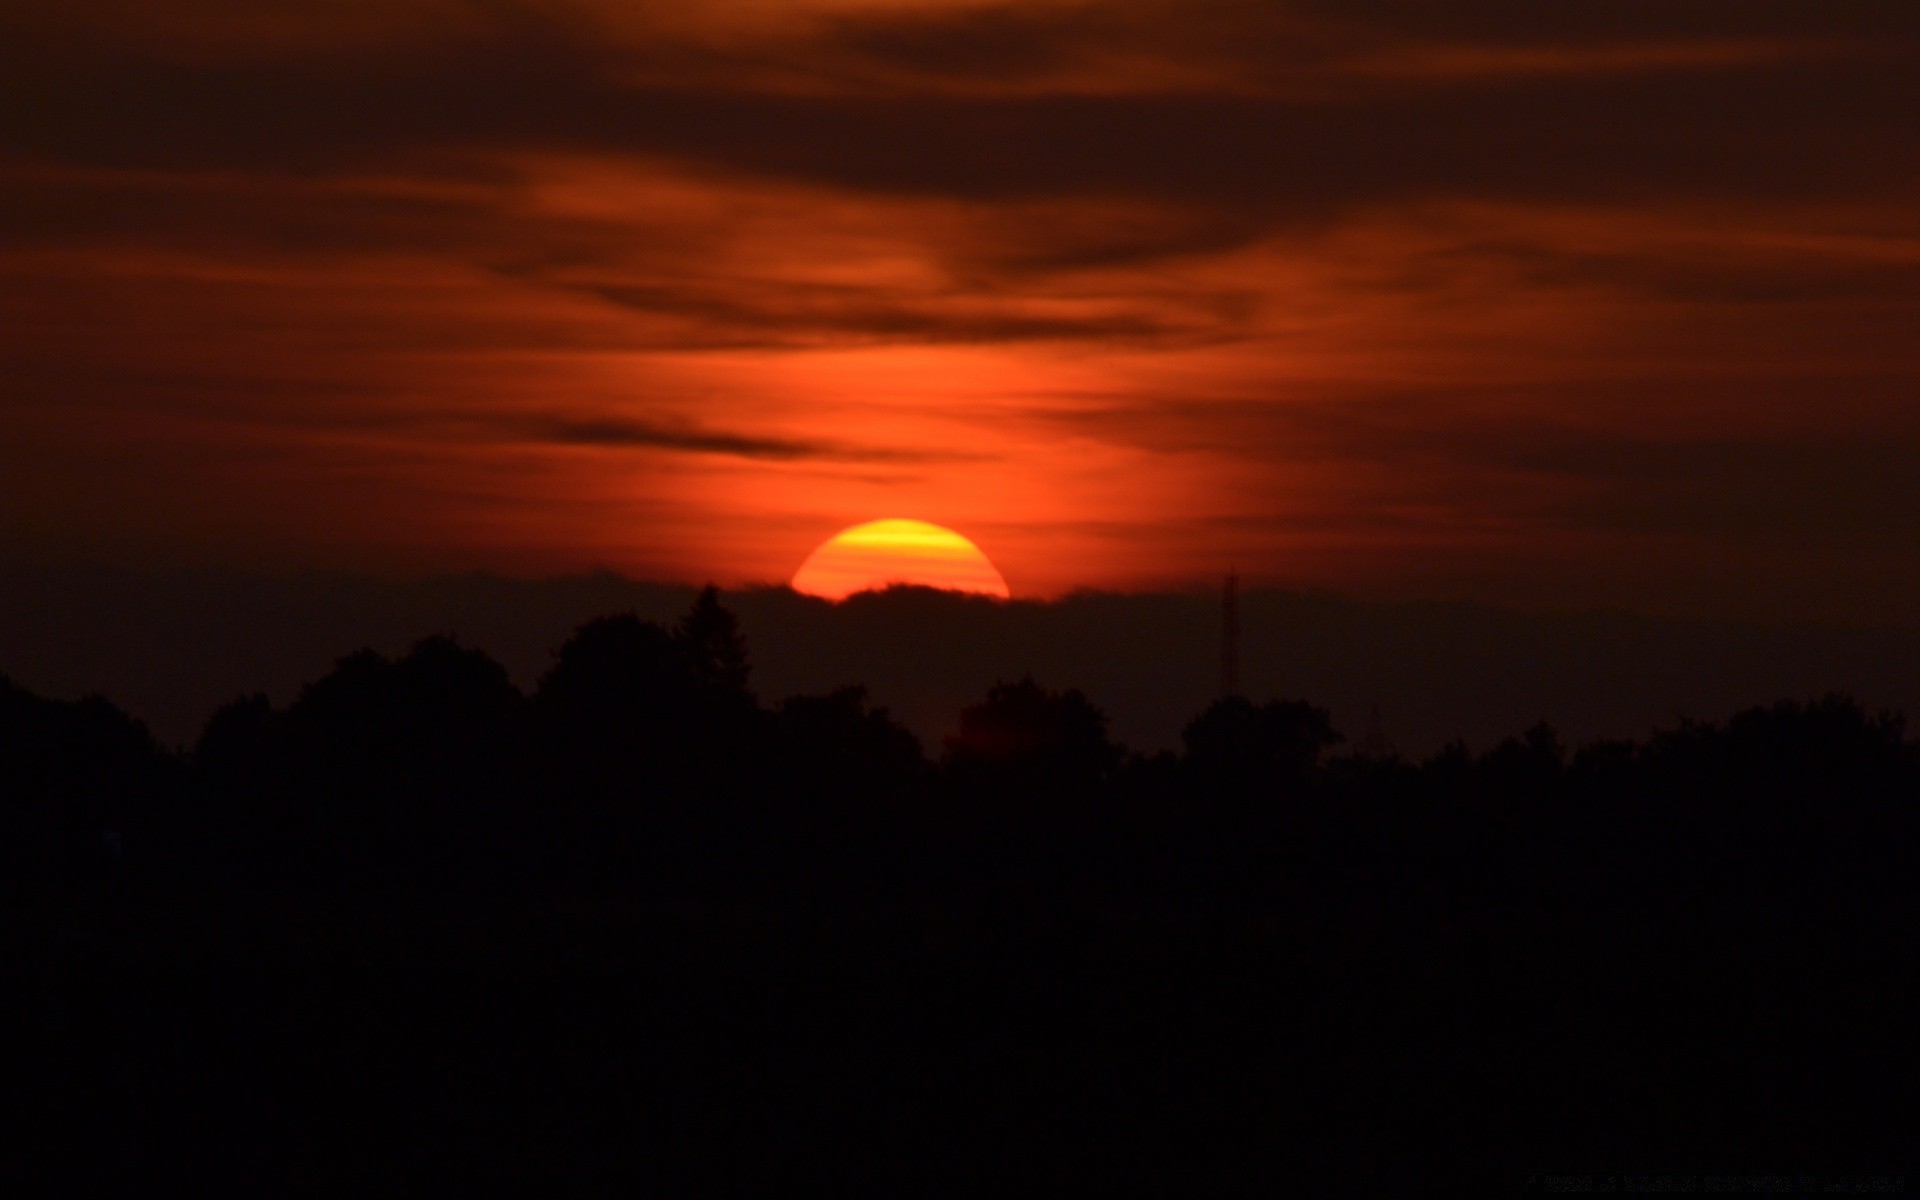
<point x="712" y="634"/>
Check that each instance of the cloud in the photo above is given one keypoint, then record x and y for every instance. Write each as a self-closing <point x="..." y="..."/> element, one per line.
<point x="620" y="433"/>
<point x="800" y="314"/>
<point x="1721" y="117"/>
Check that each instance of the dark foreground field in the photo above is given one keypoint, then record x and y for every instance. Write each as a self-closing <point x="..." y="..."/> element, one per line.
<point x="420" y="930"/>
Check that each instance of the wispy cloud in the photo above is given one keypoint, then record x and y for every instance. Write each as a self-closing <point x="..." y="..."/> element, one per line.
<point x="618" y="433"/>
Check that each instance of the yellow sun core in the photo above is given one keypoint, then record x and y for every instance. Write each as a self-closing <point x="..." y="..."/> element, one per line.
<point x="883" y="553"/>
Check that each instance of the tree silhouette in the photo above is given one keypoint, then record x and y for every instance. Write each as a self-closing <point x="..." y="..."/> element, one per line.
<point x="1039" y="737"/>
<point x="840" y="744"/>
<point x="415" y="899"/>
<point x="651" y="746"/>
<point x="1528" y="766"/>
<point x="1241" y="748"/>
<point x="387" y="769"/>
<point x="75" y="778"/>
<point x="711" y="634"/>
<point x="621" y="669"/>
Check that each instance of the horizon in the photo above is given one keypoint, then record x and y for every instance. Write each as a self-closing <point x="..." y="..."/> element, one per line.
<point x="172" y="646"/>
<point x="1187" y="588"/>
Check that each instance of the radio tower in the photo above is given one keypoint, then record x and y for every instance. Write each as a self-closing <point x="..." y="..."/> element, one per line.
<point x="1230" y="637"/>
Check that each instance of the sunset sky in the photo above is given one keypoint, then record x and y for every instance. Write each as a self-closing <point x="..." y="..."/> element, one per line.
<point x="1541" y="304"/>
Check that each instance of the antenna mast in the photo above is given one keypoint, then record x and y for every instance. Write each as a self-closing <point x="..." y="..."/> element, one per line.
<point x="1230" y="636"/>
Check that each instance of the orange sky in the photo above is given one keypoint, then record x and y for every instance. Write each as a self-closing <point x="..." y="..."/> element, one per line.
<point x="1543" y="307"/>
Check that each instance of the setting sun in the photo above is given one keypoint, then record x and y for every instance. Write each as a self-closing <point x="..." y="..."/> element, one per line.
<point x="879" y="554"/>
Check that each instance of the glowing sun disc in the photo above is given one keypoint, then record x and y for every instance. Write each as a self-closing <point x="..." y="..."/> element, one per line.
<point x="882" y="553"/>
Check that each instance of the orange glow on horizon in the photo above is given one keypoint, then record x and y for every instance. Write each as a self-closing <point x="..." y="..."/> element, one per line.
<point x="881" y="554"/>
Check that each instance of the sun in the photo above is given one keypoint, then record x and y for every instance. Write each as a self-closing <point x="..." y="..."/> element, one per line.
<point x="881" y="553"/>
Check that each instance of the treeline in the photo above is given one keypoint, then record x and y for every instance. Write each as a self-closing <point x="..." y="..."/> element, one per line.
<point x="637" y="925"/>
